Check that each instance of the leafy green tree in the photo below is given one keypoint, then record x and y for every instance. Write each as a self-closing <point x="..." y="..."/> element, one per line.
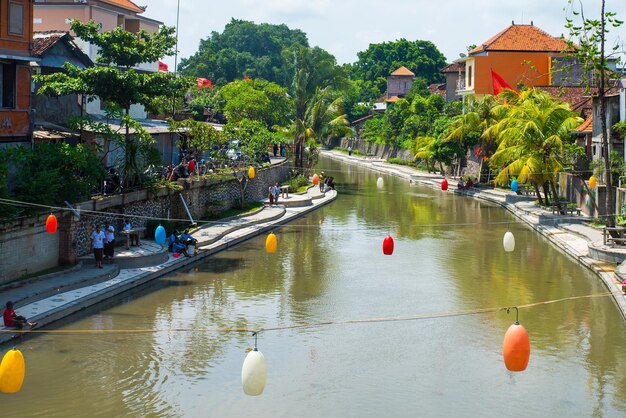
<point x="49" y="174"/>
<point x="244" y="49"/>
<point x="530" y="140"/>
<point x="587" y="41"/>
<point x="116" y="82"/>
<point x="257" y="100"/>
<point x="380" y="60"/>
<point x="198" y="137"/>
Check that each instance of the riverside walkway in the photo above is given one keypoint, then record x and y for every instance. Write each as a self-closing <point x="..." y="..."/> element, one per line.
<point x="48" y="298"/>
<point x="571" y="234"/>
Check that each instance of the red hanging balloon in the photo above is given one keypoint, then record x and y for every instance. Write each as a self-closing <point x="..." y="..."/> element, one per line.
<point x="51" y="224"/>
<point x="316" y="179"/>
<point x="516" y="348"/>
<point x="388" y="245"/>
<point x="444" y="185"/>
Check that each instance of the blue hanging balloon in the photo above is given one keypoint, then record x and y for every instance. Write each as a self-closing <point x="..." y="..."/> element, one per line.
<point x="514" y="185"/>
<point x="159" y="235"/>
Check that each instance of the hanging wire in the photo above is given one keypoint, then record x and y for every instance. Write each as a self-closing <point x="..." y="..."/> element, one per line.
<point x="286" y="226"/>
<point x="255" y="331"/>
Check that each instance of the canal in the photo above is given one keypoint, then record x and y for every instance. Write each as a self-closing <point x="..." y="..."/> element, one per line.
<point x="330" y="268"/>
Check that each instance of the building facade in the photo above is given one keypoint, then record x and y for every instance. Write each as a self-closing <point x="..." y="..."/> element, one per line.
<point x="523" y="55"/>
<point x="399" y="82"/>
<point x="16" y="33"/>
<point x="56" y="15"/>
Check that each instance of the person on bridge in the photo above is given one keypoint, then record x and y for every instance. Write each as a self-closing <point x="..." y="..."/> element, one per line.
<point x="13" y="320"/>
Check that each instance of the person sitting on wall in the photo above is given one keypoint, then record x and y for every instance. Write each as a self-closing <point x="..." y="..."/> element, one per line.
<point x="461" y="184"/>
<point x="13" y="320"/>
<point x="469" y="183"/>
<point x="187" y="239"/>
<point x="176" y="246"/>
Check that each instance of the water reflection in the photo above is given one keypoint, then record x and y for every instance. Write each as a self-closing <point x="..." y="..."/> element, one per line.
<point x="329" y="267"/>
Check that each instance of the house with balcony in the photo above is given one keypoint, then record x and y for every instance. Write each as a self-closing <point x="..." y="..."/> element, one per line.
<point x="523" y="55"/>
<point x="16" y="33"/>
<point x="455" y="80"/>
<point x="56" y="15"/>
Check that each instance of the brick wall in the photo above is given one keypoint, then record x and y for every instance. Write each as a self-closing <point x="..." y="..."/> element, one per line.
<point x="26" y="248"/>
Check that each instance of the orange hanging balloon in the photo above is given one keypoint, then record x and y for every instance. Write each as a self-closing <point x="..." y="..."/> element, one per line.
<point x="51" y="224"/>
<point x="316" y="179"/>
<point x="592" y="182"/>
<point x="388" y="245"/>
<point x="516" y="348"/>
<point x="444" y="185"/>
<point x="251" y="173"/>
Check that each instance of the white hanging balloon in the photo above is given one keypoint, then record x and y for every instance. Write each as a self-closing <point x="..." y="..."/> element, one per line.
<point x="380" y="183"/>
<point x="508" y="242"/>
<point x="253" y="373"/>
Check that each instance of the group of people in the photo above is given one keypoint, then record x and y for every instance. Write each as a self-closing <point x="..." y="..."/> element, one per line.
<point x="179" y="243"/>
<point x="326" y="183"/>
<point x="462" y="184"/>
<point x="283" y="150"/>
<point x="274" y="193"/>
<point x="103" y="243"/>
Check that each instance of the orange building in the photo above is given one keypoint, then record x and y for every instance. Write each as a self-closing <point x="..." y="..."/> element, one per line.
<point x="16" y="34"/>
<point x="523" y="55"/>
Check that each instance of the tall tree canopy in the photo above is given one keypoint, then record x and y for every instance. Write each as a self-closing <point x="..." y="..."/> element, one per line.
<point x="244" y="48"/>
<point x="380" y="60"/>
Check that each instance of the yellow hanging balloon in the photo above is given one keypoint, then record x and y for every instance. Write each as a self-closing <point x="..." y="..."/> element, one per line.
<point x="251" y="173"/>
<point x="12" y="370"/>
<point x="271" y="243"/>
<point x="592" y="182"/>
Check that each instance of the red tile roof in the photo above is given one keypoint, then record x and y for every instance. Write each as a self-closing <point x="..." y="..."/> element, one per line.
<point x="392" y="99"/>
<point x="578" y="97"/>
<point x="586" y="126"/>
<point x="522" y="38"/>
<point x="45" y="42"/>
<point x="439" y="89"/>
<point x="403" y="71"/>
<point x="126" y="4"/>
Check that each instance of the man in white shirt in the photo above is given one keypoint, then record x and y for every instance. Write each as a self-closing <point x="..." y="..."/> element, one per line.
<point x="97" y="242"/>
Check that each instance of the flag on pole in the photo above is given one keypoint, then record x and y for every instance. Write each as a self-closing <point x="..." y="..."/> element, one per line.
<point x="204" y="82"/>
<point x="163" y="66"/>
<point x="498" y="83"/>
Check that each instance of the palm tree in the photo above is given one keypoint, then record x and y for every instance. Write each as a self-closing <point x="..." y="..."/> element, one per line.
<point x="315" y="71"/>
<point x="479" y="114"/>
<point x="530" y="140"/>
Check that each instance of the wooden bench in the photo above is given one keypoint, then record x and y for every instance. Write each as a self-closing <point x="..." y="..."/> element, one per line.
<point x="617" y="241"/>
<point x="565" y="208"/>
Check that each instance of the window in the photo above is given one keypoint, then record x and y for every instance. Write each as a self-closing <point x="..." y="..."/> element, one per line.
<point x="469" y="76"/>
<point x="7" y="86"/>
<point x="16" y="19"/>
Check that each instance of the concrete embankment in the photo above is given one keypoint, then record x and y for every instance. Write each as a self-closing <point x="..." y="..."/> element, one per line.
<point x="568" y="233"/>
<point x="46" y="301"/>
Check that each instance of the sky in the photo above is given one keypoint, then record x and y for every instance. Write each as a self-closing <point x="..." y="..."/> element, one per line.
<point x="345" y="27"/>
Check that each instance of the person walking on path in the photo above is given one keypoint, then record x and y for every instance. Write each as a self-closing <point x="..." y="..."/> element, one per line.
<point x="109" y="246"/>
<point x="13" y="320"/>
<point x="97" y="242"/>
<point x="276" y="192"/>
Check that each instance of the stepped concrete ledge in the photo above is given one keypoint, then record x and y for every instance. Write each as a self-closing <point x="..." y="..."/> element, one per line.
<point x="569" y="233"/>
<point x="148" y="254"/>
<point x="61" y="295"/>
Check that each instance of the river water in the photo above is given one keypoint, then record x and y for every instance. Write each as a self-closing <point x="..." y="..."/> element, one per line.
<point x="330" y="268"/>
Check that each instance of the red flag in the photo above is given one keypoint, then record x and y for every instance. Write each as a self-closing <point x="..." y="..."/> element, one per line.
<point x="498" y="83"/>
<point x="246" y="78"/>
<point x="163" y="66"/>
<point x="204" y="82"/>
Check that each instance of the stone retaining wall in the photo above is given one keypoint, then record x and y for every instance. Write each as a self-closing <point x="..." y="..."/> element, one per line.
<point x="26" y="248"/>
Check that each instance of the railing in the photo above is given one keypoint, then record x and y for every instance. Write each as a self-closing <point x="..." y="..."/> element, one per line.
<point x="460" y="84"/>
